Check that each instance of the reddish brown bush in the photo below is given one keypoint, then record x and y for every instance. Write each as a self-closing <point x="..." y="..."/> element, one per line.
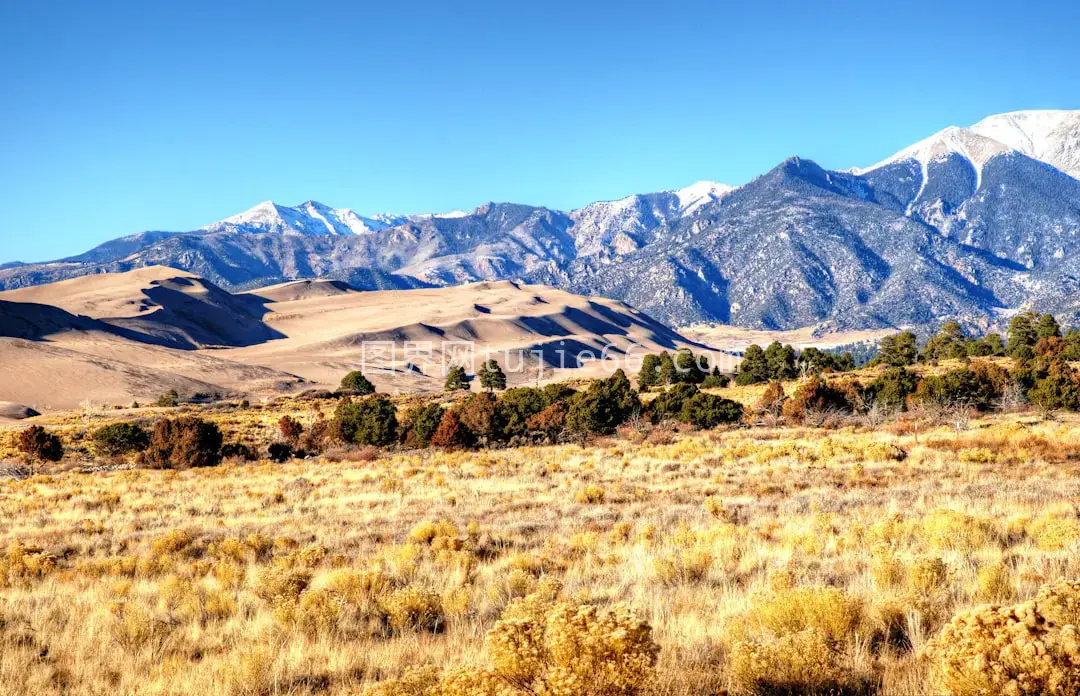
<point x="451" y="434"/>
<point x="39" y="445"/>
<point x="184" y="443"/>
<point x="550" y="421"/>
<point x="290" y="429"/>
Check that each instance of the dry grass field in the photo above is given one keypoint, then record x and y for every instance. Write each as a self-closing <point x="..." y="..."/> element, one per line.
<point x="746" y="560"/>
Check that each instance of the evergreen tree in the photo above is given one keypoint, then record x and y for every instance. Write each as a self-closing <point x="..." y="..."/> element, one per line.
<point x="607" y="404"/>
<point x="1022" y="335"/>
<point x="649" y="375"/>
<point x="689" y="367"/>
<point x="421" y="422"/>
<point x="753" y="368"/>
<point x="1057" y="390"/>
<point x="781" y="361"/>
<point x="817" y="361"/>
<point x="892" y="388"/>
<point x="949" y="342"/>
<point x="715" y="380"/>
<point x="987" y="346"/>
<point x="898" y="350"/>
<point x="668" y="374"/>
<point x="1047" y="327"/>
<point x="357" y="382"/>
<point x="370" y="421"/>
<point x="516" y="406"/>
<point x="491" y="376"/>
<point x="456" y="379"/>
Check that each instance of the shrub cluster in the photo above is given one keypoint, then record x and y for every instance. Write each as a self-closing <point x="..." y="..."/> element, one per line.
<point x="1027" y="648"/>
<point x="183" y="443"/>
<point x="687" y="404"/>
<point x="664" y="370"/>
<point x="542" y="645"/>
<point x="120" y="438"/>
<point x="371" y="420"/>
<point x="38" y="445"/>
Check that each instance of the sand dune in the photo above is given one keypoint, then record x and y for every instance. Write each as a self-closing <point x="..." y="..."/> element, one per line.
<point x="114" y="338"/>
<point x="163" y="305"/>
<point x="302" y="290"/>
<point x="551" y="331"/>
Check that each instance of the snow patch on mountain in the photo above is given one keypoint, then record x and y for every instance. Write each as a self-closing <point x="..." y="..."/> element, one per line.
<point x="1052" y="137"/>
<point x="310" y="218"/>
<point x="700" y="194"/>
<point x="965" y="142"/>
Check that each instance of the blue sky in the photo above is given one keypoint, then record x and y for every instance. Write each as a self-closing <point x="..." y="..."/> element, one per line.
<point x="121" y="117"/>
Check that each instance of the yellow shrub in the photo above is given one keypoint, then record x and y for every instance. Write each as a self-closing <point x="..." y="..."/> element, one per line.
<point x="947" y="530"/>
<point x="414" y="609"/>
<point x="24" y="562"/>
<point x="1029" y="648"/>
<point x="574" y="650"/>
<point x="1055" y="533"/>
<point x="592" y="495"/>
<point x="829" y="610"/>
<point x="887" y="570"/>
<point x="995" y="583"/>
<point x="417" y="681"/>
<point x="978" y="455"/>
<point x="683" y="566"/>
<point x="428" y="531"/>
<point x="928" y="574"/>
<point x="282" y="582"/>
<point x="798" y="663"/>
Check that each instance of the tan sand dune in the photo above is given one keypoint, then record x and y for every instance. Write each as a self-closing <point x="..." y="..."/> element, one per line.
<point x="11" y="412"/>
<point x="160" y="304"/>
<point x="75" y="368"/>
<point x="327" y="336"/>
<point x="302" y="290"/>
<point x="114" y="338"/>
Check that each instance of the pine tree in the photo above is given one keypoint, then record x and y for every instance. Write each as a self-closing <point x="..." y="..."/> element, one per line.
<point x="491" y="376"/>
<point x="649" y="375"/>
<point x="949" y="342"/>
<point x="1047" y="328"/>
<point x="688" y="367"/>
<point x="898" y="350"/>
<point x="753" y="369"/>
<point x="357" y="382"/>
<point x="668" y="374"/>
<point x="781" y="361"/>
<point x="1022" y="335"/>
<point x="456" y="379"/>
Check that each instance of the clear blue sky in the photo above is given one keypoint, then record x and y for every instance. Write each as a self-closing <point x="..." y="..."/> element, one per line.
<point x="121" y="117"/>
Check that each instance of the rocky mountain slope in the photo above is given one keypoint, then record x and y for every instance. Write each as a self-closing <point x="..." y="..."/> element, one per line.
<point x="971" y="223"/>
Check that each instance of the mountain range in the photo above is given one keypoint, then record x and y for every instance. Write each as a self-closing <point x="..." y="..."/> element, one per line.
<point x="971" y="223"/>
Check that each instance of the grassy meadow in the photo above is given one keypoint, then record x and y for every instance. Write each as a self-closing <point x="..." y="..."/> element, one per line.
<point x="659" y="561"/>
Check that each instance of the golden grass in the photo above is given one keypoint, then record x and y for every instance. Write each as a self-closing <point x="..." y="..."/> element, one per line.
<point x="764" y="561"/>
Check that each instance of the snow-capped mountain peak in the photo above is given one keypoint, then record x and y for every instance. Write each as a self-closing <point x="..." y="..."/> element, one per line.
<point x="977" y="149"/>
<point x="309" y="218"/>
<point x="1052" y="137"/>
<point x="702" y="193"/>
